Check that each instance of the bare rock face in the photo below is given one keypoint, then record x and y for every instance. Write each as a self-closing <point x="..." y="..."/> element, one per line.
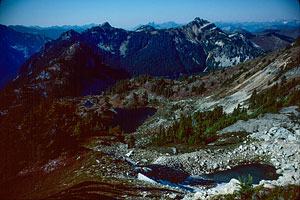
<point x="264" y="124"/>
<point x="164" y="52"/>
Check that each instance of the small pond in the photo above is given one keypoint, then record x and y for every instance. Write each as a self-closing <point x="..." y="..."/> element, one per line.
<point x="257" y="171"/>
<point x="130" y="119"/>
<point x="179" y="178"/>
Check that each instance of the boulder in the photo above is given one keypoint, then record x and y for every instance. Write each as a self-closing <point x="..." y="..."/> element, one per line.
<point x="282" y="133"/>
<point x="129" y="153"/>
<point x="229" y="188"/>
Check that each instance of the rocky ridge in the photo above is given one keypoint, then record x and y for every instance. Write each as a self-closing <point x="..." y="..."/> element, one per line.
<point x="268" y="139"/>
<point x="275" y="141"/>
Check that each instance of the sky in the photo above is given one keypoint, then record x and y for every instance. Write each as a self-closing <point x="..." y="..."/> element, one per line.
<point x="130" y="13"/>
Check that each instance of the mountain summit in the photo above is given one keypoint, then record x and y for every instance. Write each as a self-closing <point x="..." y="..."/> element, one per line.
<point x="196" y="47"/>
<point x="105" y="25"/>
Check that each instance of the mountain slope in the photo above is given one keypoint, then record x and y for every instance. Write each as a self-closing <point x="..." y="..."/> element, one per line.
<point x="33" y="128"/>
<point x="15" y="48"/>
<point x="269" y="41"/>
<point x="194" y="47"/>
<point x="66" y="67"/>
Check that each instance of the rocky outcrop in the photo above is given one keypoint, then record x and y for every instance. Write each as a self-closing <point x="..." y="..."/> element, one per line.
<point x="164" y="52"/>
<point x="67" y="68"/>
<point x="278" y="146"/>
<point x="265" y="123"/>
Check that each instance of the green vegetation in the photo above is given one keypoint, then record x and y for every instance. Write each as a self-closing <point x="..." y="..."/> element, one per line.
<point x="120" y="87"/>
<point x="142" y="79"/>
<point x="246" y="189"/>
<point x="200" y="89"/>
<point x="161" y="87"/>
<point x="201" y="127"/>
<point x="276" y="97"/>
<point x="123" y="86"/>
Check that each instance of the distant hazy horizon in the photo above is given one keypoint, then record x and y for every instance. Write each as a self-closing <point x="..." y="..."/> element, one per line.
<point x="128" y="14"/>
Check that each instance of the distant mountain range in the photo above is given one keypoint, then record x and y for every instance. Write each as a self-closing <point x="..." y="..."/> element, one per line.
<point x="15" y="48"/>
<point x="270" y="36"/>
<point x="271" y="40"/>
<point x="259" y="26"/>
<point x="52" y="32"/>
<point x="165" y="25"/>
<point x="100" y="53"/>
<point x="165" y="49"/>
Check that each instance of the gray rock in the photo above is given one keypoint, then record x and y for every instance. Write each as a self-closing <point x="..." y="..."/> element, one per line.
<point x="273" y="130"/>
<point x="290" y="110"/>
<point x="129" y="153"/>
<point x="282" y="133"/>
<point x="292" y="138"/>
<point x="288" y="167"/>
<point x="289" y="154"/>
<point x="174" y="150"/>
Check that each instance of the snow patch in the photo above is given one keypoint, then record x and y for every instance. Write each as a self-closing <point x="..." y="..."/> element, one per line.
<point x="4" y="112"/>
<point x="142" y="177"/>
<point x="196" y="61"/>
<point x="226" y="61"/>
<point x="105" y="47"/>
<point x="53" y="165"/>
<point x="43" y="75"/>
<point x="255" y="45"/>
<point x="205" y="25"/>
<point x="22" y="49"/>
<point x="123" y="47"/>
<point x="220" y="43"/>
<point x="55" y="67"/>
<point x="232" y="35"/>
<point x="16" y="78"/>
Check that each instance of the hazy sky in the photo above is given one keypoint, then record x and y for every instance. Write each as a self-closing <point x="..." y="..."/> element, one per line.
<point x="129" y="13"/>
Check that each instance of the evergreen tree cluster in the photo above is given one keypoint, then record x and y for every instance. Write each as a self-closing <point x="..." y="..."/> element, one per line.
<point x="163" y="88"/>
<point x="199" y="89"/>
<point x="143" y="78"/>
<point x="199" y="128"/>
<point x="121" y="86"/>
<point x="278" y="96"/>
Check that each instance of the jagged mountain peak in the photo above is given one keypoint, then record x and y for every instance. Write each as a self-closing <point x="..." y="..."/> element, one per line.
<point x="69" y="34"/>
<point x="106" y="25"/>
<point x="200" y="21"/>
<point x="196" y="47"/>
<point x="145" y="28"/>
<point x="199" y="25"/>
<point x="71" y="52"/>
